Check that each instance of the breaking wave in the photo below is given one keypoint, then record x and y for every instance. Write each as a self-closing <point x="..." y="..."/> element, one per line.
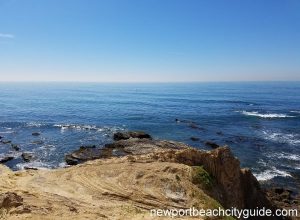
<point x="270" y="174"/>
<point x="292" y="139"/>
<point x="266" y="115"/>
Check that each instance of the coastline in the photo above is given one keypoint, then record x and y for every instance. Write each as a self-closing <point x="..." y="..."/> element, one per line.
<point x="129" y="177"/>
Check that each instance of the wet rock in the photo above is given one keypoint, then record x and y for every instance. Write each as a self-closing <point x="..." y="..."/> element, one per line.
<point x="6" y="159"/>
<point x="195" y="126"/>
<point x="131" y="134"/>
<point x="219" y="133"/>
<point x="212" y="144"/>
<point x="36" y="134"/>
<point x="5" y="142"/>
<point x="38" y="142"/>
<point x="195" y="139"/>
<point x="10" y="200"/>
<point x="85" y="153"/>
<point x="283" y="198"/>
<point x="1" y="137"/>
<point x="27" y="157"/>
<point x="15" y="147"/>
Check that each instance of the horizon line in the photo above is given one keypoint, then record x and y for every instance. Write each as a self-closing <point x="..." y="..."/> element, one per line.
<point x="130" y="82"/>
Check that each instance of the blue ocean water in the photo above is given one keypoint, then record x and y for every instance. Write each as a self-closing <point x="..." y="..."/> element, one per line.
<point x="259" y="121"/>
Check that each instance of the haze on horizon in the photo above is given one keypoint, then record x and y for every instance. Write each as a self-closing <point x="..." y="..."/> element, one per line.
<point x="149" y="41"/>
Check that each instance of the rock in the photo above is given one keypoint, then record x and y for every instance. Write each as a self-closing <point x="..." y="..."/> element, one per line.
<point x="38" y="142"/>
<point x="85" y="153"/>
<point x="27" y="157"/>
<point x="131" y="134"/>
<point x="194" y="139"/>
<point x="5" y="142"/>
<point x="36" y="134"/>
<point x="283" y="198"/>
<point x="6" y="159"/>
<point x="195" y="126"/>
<point x="211" y="144"/>
<point x="1" y="137"/>
<point x="15" y="147"/>
<point x="10" y="200"/>
<point x="219" y="133"/>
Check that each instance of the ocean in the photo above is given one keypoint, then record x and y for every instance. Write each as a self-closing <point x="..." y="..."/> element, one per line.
<point x="259" y="121"/>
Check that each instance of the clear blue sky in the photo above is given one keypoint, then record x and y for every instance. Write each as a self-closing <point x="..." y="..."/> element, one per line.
<point x="149" y="40"/>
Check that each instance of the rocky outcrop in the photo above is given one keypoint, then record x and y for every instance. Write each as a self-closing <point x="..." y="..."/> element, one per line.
<point x="233" y="186"/>
<point x="129" y="177"/>
<point x="131" y="134"/>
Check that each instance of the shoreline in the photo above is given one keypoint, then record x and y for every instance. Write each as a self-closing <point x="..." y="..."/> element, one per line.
<point x="177" y="163"/>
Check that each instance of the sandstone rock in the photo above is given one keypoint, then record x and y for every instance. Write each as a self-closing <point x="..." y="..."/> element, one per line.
<point x="10" y="200"/>
<point x="131" y="134"/>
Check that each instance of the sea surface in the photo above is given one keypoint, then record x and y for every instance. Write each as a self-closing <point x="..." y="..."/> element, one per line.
<point x="259" y="121"/>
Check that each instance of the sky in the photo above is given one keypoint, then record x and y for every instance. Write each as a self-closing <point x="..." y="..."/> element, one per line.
<point x="149" y="40"/>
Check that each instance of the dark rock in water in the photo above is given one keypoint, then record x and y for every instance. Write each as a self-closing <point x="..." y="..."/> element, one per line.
<point x="38" y="142"/>
<point x="131" y="134"/>
<point x="36" y="134"/>
<point x="211" y="144"/>
<point x="6" y="159"/>
<point x="195" y="126"/>
<point x="27" y="156"/>
<point x="10" y="200"/>
<point x="85" y="153"/>
<point x="5" y="142"/>
<point x="131" y="146"/>
<point x="219" y="133"/>
<point x="194" y="139"/>
<point x="15" y="147"/>
<point x="1" y="137"/>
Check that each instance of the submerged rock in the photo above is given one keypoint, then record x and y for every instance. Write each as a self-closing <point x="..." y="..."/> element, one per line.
<point x="6" y="159"/>
<point x="131" y="134"/>
<point x="195" y="139"/>
<point x="27" y="157"/>
<point x="211" y="144"/>
<point x="5" y="141"/>
<point x="36" y="134"/>
<point x="15" y="147"/>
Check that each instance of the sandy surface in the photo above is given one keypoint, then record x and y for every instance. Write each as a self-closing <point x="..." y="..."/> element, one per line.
<point x="116" y="188"/>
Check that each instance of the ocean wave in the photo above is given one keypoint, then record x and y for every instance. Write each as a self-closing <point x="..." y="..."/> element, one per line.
<point x="266" y="115"/>
<point x="287" y="156"/>
<point x="87" y="127"/>
<point x="77" y="127"/>
<point x="295" y="111"/>
<point x="270" y="174"/>
<point x="292" y="139"/>
<point x="34" y="124"/>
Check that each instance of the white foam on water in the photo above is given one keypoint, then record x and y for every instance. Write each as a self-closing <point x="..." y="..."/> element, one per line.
<point x="284" y="155"/>
<point x="295" y="111"/>
<point x="279" y="137"/>
<point x="270" y="174"/>
<point x="266" y="115"/>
